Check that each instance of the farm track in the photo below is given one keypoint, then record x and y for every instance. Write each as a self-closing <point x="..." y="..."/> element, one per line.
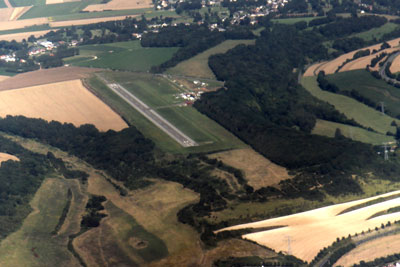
<point x="150" y="114"/>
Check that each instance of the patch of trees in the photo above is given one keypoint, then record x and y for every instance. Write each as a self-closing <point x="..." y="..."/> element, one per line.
<point x="378" y="58"/>
<point x="348" y="44"/>
<point x="19" y="182"/>
<point x="192" y="39"/>
<point x="321" y="21"/>
<point x="93" y="216"/>
<point x="346" y="26"/>
<point x="333" y="253"/>
<point x="59" y="165"/>
<point x="19" y="67"/>
<point x="264" y="106"/>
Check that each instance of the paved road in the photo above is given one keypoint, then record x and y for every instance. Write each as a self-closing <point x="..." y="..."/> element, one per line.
<point x="153" y="116"/>
<point x="382" y="69"/>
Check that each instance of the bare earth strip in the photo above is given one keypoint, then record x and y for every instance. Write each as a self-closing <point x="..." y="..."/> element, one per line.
<point x="259" y="171"/>
<point x="66" y="101"/>
<point x="331" y="66"/>
<point x="312" y="230"/>
<point x="22" y="35"/>
<point x="119" y="5"/>
<point x="371" y="250"/>
<point x="5" y="157"/>
<point x="45" y="76"/>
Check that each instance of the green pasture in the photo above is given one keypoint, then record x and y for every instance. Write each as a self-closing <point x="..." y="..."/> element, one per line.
<point x="368" y="86"/>
<point x="328" y="128"/>
<point x="197" y="66"/>
<point x="129" y="56"/>
<point x="294" y="20"/>
<point x="2" y="4"/>
<point x="366" y="116"/>
<point x="104" y="14"/>
<point x="17" y="3"/>
<point x="377" y="33"/>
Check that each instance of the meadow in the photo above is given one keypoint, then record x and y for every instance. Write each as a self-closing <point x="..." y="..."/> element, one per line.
<point x="294" y="20"/>
<point x="376" y="33"/>
<point x="18" y="3"/>
<point x="197" y="66"/>
<point x="368" y="86"/>
<point x="129" y="56"/>
<point x="366" y="116"/>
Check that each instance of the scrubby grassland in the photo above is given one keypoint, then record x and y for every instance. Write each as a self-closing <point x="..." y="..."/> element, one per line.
<point x="294" y="20"/>
<point x="258" y="171"/>
<point x="369" y="87"/>
<point x="121" y="56"/>
<point x="159" y="94"/>
<point x="328" y="128"/>
<point x="197" y="66"/>
<point x="361" y="113"/>
<point x="33" y="244"/>
<point x="376" y="33"/>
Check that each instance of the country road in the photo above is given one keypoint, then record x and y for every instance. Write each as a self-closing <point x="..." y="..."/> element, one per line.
<point x="151" y="115"/>
<point x="382" y="72"/>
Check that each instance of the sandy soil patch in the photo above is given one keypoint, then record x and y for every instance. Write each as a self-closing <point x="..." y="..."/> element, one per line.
<point x="119" y="5"/>
<point x="23" y="35"/>
<point x="67" y="101"/>
<point x="369" y="251"/>
<point x="85" y="21"/>
<point x="5" y="157"/>
<point x="259" y="171"/>
<point x="331" y="66"/>
<point x="45" y="76"/>
<point x="324" y="225"/>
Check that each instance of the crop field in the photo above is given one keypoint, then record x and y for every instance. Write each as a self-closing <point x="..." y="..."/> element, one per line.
<point x="123" y="56"/>
<point x="197" y="66"/>
<point x="395" y="67"/>
<point x="258" y="171"/>
<point x="120" y="4"/>
<point x="376" y="32"/>
<point x="33" y="244"/>
<point x="328" y="128"/>
<point x="371" y="250"/>
<point x="368" y="86"/>
<point x="2" y="4"/>
<point x="324" y="223"/>
<point x="65" y="101"/>
<point x="22" y="35"/>
<point x="159" y="94"/>
<point x="366" y="116"/>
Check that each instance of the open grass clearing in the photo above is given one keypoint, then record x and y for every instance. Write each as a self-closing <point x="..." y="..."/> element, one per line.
<point x="197" y="66"/>
<point x="67" y="101"/>
<point x="371" y="250"/>
<point x="366" y="116"/>
<point x="324" y="225"/>
<point x="33" y="244"/>
<point x="294" y="20"/>
<point x="159" y="93"/>
<point x="376" y="33"/>
<point x="328" y="128"/>
<point x="368" y="86"/>
<point x="129" y="56"/>
<point x="258" y="171"/>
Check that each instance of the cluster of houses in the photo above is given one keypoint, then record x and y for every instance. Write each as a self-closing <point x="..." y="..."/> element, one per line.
<point x="397" y="264"/>
<point x="190" y="97"/>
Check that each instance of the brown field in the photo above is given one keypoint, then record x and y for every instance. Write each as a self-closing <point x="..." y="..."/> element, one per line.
<point x="5" y="157"/>
<point x="313" y="69"/>
<point x="320" y="227"/>
<point x="119" y="5"/>
<point x="259" y="171"/>
<point x="361" y="63"/>
<point x="5" y="14"/>
<point x="67" y="101"/>
<point x="18" y="12"/>
<point x="45" y="76"/>
<point x="395" y="67"/>
<point x="2" y="77"/>
<point x="22" y="35"/>
<point x="18" y="24"/>
<point x="371" y="250"/>
<point x="331" y="66"/>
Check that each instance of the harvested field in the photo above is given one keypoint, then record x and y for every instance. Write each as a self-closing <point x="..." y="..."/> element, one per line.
<point x="2" y="77"/>
<point x="120" y="4"/>
<point x="67" y="101"/>
<point x="18" y="12"/>
<point x="22" y="35"/>
<point x="50" y="2"/>
<point x="45" y="76"/>
<point x="331" y="66"/>
<point x="18" y="24"/>
<point x="323" y="223"/>
<point x="369" y="251"/>
<point x="361" y="63"/>
<point x="84" y="21"/>
<point x="5" y="14"/>
<point x="259" y="171"/>
<point x="395" y="67"/>
<point x="313" y="69"/>
<point x="5" y="157"/>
